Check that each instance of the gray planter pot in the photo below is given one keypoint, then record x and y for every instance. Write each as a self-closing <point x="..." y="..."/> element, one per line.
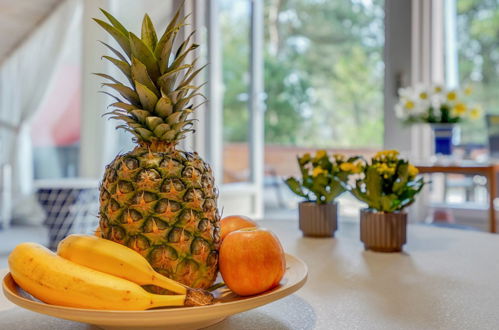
<point x="383" y="232"/>
<point x="318" y="220"/>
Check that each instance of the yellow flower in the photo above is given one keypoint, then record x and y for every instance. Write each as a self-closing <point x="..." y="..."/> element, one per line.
<point x="347" y="167"/>
<point x="438" y="89"/>
<point x="468" y="90"/>
<point x="452" y="96"/>
<point x="318" y="171"/>
<point x="423" y="95"/>
<point x="413" y="171"/>
<point x="475" y="113"/>
<point x="320" y="154"/>
<point x="459" y="109"/>
<point x="388" y="154"/>
<point x="339" y="157"/>
<point x="385" y="170"/>
<point x="305" y="157"/>
<point x="409" y="105"/>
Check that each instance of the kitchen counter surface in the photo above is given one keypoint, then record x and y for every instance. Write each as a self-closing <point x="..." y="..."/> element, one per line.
<point x="445" y="279"/>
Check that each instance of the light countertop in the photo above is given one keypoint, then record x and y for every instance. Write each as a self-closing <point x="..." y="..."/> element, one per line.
<point x="446" y="279"/>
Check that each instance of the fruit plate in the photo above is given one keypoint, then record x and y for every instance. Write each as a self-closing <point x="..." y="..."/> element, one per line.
<point x="227" y="303"/>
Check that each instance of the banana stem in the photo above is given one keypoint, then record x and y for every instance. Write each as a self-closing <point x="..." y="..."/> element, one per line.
<point x="168" y="284"/>
<point x="215" y="286"/>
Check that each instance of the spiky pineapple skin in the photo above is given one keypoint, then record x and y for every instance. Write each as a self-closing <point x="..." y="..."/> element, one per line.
<point x="163" y="205"/>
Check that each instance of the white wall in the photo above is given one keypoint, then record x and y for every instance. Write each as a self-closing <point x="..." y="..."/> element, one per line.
<point x="397" y="58"/>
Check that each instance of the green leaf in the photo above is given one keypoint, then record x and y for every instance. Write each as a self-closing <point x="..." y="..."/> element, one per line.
<point x="144" y="55"/>
<point x="126" y="119"/>
<point x="164" y="57"/>
<point x="173" y="118"/>
<point x="140" y="115"/>
<point x="374" y="186"/>
<point x="140" y="74"/>
<point x="126" y="92"/>
<point x="161" y="129"/>
<point x="336" y="190"/>
<point x="403" y="176"/>
<point x="153" y="122"/>
<point x="180" y="105"/>
<point x="168" y="32"/>
<point x="169" y="136"/>
<point x="179" y="60"/>
<point x="387" y="203"/>
<point x="108" y="77"/>
<point x="189" y="79"/>
<point x="167" y="80"/>
<point x="148" y="34"/>
<point x="199" y="105"/>
<point x="174" y="96"/>
<point x="361" y="196"/>
<point x="184" y="115"/>
<point x="181" y="135"/>
<point x="114" y="22"/>
<point x="111" y="95"/>
<point x="147" y="98"/>
<point x="183" y="124"/>
<point x="115" y="52"/>
<point x="144" y="133"/>
<point x="122" y="65"/>
<point x="164" y="48"/>
<point x="184" y="44"/>
<point x="125" y="106"/>
<point x="164" y="107"/>
<point x="120" y="37"/>
<point x="295" y="187"/>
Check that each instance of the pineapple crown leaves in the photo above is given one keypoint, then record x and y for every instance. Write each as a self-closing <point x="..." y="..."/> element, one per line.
<point x="158" y="96"/>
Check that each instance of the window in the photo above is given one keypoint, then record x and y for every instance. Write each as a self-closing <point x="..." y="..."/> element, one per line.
<point x="235" y="26"/>
<point x="323" y="70"/>
<point x="323" y="81"/>
<point x="477" y="53"/>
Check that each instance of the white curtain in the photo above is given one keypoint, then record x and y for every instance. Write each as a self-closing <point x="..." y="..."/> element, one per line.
<point x="24" y="79"/>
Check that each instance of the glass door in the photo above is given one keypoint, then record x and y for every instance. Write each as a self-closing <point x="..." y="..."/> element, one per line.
<point x="235" y="114"/>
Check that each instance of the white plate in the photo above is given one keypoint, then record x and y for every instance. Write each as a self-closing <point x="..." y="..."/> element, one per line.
<point x="227" y="303"/>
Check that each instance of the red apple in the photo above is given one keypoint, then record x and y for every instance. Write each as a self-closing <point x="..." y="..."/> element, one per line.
<point x="251" y="261"/>
<point x="233" y="223"/>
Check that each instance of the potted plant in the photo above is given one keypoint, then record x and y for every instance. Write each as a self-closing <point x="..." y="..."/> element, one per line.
<point x="388" y="185"/>
<point x="322" y="181"/>
<point x="441" y="108"/>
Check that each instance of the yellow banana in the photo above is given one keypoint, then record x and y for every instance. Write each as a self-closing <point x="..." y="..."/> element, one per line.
<point x="115" y="259"/>
<point x="58" y="281"/>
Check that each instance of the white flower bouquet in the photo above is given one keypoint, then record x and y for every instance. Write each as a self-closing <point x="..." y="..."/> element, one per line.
<point x="435" y="105"/>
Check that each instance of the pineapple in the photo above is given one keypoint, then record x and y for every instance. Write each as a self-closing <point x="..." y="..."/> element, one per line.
<point x="157" y="199"/>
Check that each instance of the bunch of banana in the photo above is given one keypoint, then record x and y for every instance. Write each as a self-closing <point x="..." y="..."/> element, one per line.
<point x="91" y="277"/>
<point x="116" y="259"/>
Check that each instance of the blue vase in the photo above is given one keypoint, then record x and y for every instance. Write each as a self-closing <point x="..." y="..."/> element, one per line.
<point x="443" y="135"/>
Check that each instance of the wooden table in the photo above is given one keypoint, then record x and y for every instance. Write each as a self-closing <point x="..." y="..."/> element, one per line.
<point x="446" y="279"/>
<point x="487" y="170"/>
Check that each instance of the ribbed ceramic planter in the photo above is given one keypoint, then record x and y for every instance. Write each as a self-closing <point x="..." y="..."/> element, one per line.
<point x="383" y="232"/>
<point x="318" y="220"/>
